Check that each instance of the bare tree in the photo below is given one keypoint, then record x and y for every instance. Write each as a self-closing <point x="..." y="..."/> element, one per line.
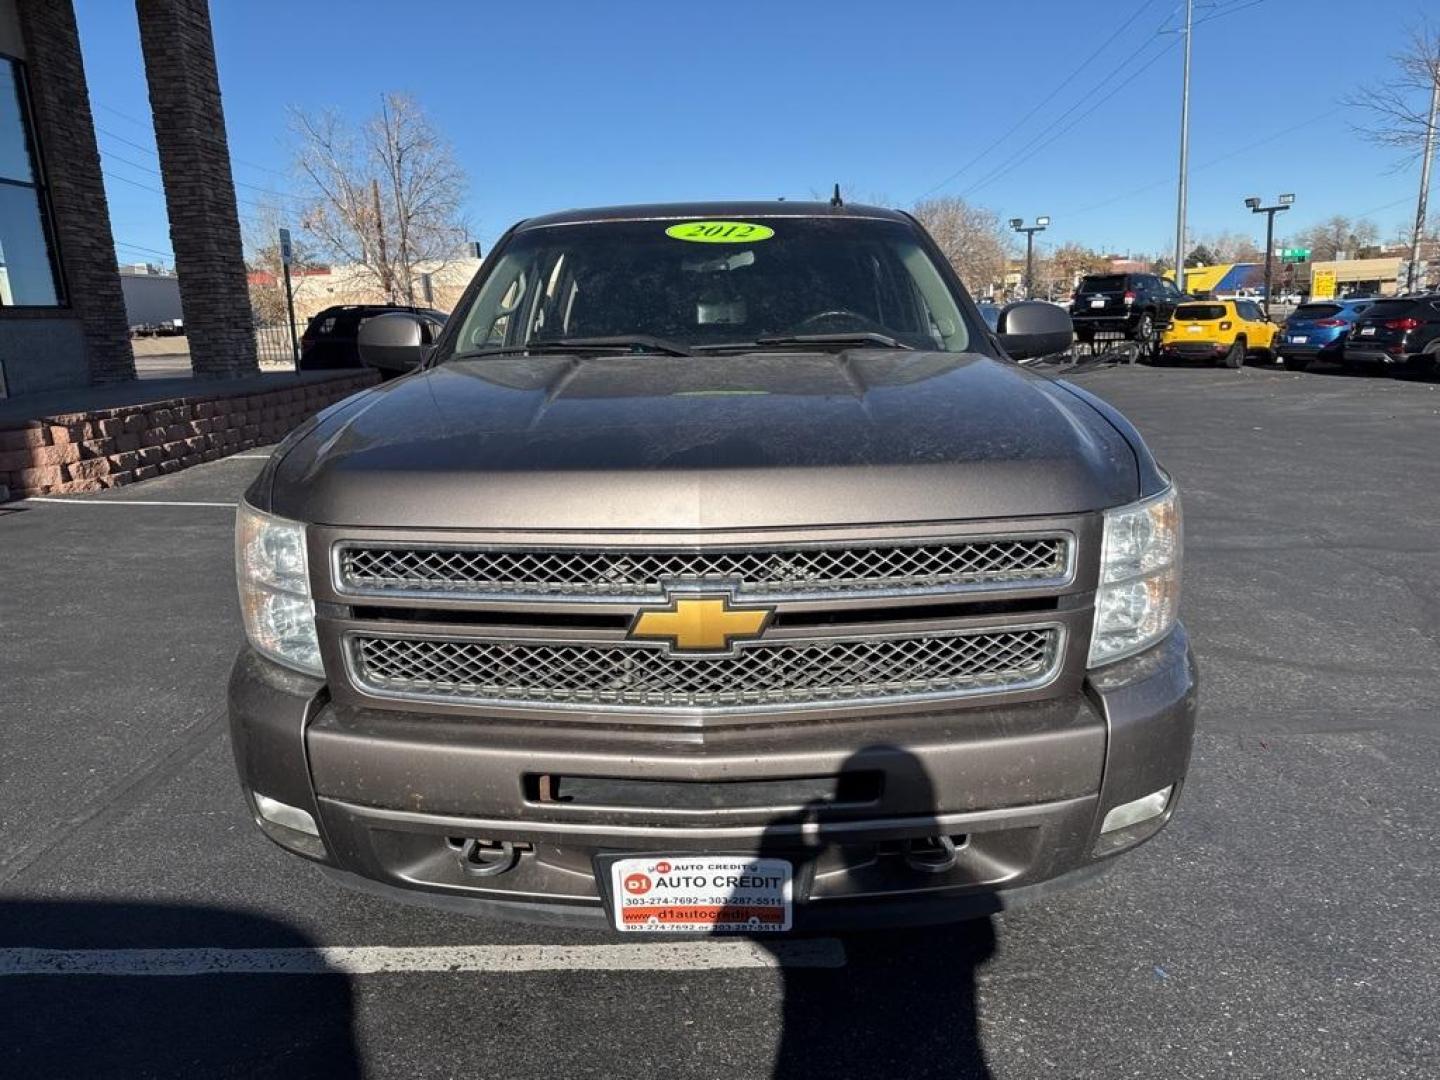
<point x="1338" y="236"/>
<point x="1231" y="247"/>
<point x="1404" y="114"/>
<point x="1070" y="262"/>
<point x="973" y="238"/>
<point x="1397" y="112"/>
<point x="386" y="196"/>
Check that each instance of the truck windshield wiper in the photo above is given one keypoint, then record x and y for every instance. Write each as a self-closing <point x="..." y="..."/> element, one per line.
<point x="853" y="338"/>
<point x="631" y="343"/>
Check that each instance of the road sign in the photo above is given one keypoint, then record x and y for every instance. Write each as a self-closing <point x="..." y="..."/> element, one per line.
<point x="1294" y="254"/>
<point x="1322" y="285"/>
<point x="285" y="251"/>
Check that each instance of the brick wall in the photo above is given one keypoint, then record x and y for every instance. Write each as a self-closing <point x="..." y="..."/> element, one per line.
<point x="91" y="451"/>
<point x="180" y="68"/>
<point x="66" y="135"/>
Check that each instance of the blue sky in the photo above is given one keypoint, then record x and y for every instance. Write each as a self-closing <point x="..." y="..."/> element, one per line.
<point x="580" y="103"/>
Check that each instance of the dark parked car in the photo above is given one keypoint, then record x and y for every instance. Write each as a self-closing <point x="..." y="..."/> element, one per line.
<point x="1317" y="331"/>
<point x="329" y="340"/>
<point x="1398" y="334"/>
<point x="718" y="569"/>
<point x="1137" y="306"/>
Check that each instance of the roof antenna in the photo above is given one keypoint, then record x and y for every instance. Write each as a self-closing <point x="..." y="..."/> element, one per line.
<point x="835" y="199"/>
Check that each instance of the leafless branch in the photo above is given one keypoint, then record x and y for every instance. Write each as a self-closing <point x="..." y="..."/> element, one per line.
<point x="386" y="196"/>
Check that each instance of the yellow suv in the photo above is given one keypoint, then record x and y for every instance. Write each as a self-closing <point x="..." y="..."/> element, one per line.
<point x="1225" y="331"/>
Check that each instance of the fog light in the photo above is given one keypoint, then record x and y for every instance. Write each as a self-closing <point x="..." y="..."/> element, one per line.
<point x="1133" y="813"/>
<point x="287" y="816"/>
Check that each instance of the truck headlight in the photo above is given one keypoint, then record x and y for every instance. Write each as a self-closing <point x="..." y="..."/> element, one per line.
<point x="1139" y="593"/>
<point x="274" y="582"/>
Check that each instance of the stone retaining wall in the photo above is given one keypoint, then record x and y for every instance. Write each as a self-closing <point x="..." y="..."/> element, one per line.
<point x="90" y="451"/>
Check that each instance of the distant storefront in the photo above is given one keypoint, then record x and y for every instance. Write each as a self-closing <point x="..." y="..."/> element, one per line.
<point x="1329" y="279"/>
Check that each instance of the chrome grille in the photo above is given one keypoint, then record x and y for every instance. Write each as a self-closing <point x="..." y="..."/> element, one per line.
<point x="385" y="569"/>
<point x="782" y="673"/>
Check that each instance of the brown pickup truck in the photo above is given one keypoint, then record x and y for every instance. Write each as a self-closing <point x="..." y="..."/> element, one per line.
<point x="716" y="568"/>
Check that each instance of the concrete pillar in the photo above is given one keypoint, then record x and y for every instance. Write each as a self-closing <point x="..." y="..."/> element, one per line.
<point x="179" y="54"/>
<point x="81" y="222"/>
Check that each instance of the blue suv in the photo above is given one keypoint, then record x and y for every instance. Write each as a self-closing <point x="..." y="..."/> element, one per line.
<point x="1317" y="331"/>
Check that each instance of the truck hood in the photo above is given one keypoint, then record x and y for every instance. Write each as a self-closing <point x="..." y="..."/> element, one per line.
<point x="715" y="442"/>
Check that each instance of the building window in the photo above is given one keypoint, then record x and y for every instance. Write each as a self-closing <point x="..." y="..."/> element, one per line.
<point x="27" y="260"/>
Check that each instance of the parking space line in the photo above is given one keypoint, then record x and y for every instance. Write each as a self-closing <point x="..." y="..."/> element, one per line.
<point x="246" y="457"/>
<point x="120" y="502"/>
<point x="400" y="960"/>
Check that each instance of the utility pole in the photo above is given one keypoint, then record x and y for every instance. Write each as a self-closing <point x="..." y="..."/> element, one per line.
<point x="1184" y="152"/>
<point x="387" y="281"/>
<point x="1018" y="224"/>
<point x="1283" y="203"/>
<point x="1421" y="205"/>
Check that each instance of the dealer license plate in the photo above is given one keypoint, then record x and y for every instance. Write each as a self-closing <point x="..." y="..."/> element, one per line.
<point x="1099" y="302"/>
<point x="1298" y="339"/>
<point x="686" y="893"/>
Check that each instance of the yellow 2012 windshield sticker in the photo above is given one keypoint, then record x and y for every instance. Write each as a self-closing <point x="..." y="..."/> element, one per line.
<point x="719" y="232"/>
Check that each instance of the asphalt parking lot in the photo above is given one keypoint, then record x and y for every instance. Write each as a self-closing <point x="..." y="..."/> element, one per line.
<point x="1286" y="925"/>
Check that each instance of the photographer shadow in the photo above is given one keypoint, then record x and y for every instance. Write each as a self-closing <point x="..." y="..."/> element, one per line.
<point x="904" y="1003"/>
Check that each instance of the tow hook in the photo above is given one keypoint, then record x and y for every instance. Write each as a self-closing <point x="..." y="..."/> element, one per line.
<point x="931" y="854"/>
<point x="486" y="858"/>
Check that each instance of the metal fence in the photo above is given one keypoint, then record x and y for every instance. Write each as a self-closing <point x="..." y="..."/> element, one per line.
<point x="272" y="345"/>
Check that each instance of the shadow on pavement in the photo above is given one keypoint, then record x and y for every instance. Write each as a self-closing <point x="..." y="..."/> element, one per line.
<point x="239" y="1025"/>
<point x="905" y="1003"/>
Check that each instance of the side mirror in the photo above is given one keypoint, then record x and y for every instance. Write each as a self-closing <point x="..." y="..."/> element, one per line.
<point x="393" y="343"/>
<point x="1034" y="328"/>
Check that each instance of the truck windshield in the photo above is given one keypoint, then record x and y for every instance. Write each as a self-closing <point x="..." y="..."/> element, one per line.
<point x="712" y="285"/>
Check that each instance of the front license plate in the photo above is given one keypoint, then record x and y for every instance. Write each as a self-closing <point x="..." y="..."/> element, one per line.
<point x="1299" y="339"/>
<point x="1097" y="303"/>
<point x="688" y="893"/>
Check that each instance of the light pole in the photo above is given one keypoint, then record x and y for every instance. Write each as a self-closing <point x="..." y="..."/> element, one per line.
<point x="1282" y="203"/>
<point x="1184" y="186"/>
<point x="1018" y="224"/>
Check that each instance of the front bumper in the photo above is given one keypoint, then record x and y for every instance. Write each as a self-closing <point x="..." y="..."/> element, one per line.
<point x="1022" y="787"/>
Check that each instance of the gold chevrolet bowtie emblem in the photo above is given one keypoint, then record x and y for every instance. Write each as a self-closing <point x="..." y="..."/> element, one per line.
<point x="701" y="624"/>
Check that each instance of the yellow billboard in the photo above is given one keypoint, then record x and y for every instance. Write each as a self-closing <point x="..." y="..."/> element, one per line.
<point x="1322" y="284"/>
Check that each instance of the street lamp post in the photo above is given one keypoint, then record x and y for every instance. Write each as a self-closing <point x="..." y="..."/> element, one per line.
<point x="1282" y="203"/>
<point x="1018" y="224"/>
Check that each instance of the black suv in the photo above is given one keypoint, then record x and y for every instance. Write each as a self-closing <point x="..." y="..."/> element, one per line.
<point x="1403" y="332"/>
<point x="329" y="339"/>
<point x="1135" y="305"/>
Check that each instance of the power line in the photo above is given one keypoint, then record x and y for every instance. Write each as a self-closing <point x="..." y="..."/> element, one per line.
<point x="155" y="154"/>
<point x="132" y="183"/>
<point x="150" y="127"/>
<point x="1124" y="25"/>
<point x="160" y="191"/>
<point x="1025" y="153"/>
<point x="1205" y="165"/>
<point x="141" y="247"/>
<point x="1228" y="10"/>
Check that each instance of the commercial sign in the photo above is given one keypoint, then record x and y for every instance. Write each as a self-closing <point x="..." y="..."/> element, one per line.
<point x="1322" y="284"/>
